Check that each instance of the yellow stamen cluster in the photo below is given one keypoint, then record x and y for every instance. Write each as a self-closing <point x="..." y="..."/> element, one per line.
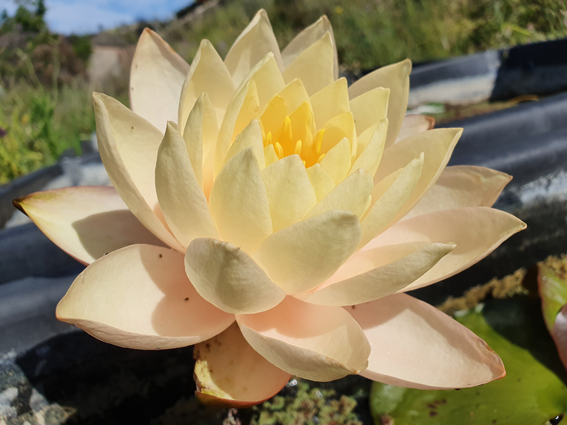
<point x="287" y="143"/>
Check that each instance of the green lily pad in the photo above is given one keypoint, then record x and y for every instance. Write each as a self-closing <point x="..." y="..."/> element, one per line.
<point x="530" y="394"/>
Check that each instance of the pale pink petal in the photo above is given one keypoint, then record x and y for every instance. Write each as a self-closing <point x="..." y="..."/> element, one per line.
<point x="415" y="345"/>
<point x="85" y="222"/>
<point x="312" y="342"/>
<point x="396" y="78"/>
<point x="156" y="79"/>
<point x="229" y="373"/>
<point x="306" y="38"/>
<point x="477" y="231"/>
<point x="462" y="186"/>
<point x="227" y="277"/>
<point x="128" y="146"/>
<point x="303" y="255"/>
<point x="251" y="46"/>
<point x="415" y="124"/>
<point x="139" y="297"/>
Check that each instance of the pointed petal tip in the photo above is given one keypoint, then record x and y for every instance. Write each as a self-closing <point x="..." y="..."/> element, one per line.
<point x="97" y="96"/>
<point x="205" y="43"/>
<point x="18" y="203"/>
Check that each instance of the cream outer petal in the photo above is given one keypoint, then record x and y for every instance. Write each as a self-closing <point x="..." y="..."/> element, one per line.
<point x="156" y="79"/>
<point x="370" y="108"/>
<point x="128" y="146"/>
<point x="230" y="373"/>
<point x="251" y="46"/>
<point x="306" y="38"/>
<point x="85" y="222"/>
<point x="330" y="101"/>
<point x="477" y="231"/>
<point x="289" y="190"/>
<point x="314" y="66"/>
<point x="396" y="78"/>
<point x="352" y="194"/>
<point x="294" y="94"/>
<point x="250" y="137"/>
<point x="337" y="161"/>
<point x="301" y="256"/>
<point x="227" y="277"/>
<point x="321" y="181"/>
<point x="208" y="74"/>
<point x="371" y="155"/>
<point x="139" y="297"/>
<point x="312" y="342"/>
<point x="388" y="205"/>
<point x="381" y="281"/>
<point x="258" y="88"/>
<point x="415" y="345"/>
<point x="181" y="198"/>
<point x="436" y="145"/>
<point x="239" y="202"/>
<point x="462" y="186"/>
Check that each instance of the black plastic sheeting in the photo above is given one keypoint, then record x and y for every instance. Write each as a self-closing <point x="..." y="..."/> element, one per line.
<point x="526" y="141"/>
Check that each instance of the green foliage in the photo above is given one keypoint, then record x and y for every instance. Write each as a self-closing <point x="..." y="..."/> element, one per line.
<point x="81" y="46"/>
<point x="532" y="392"/>
<point x="39" y="125"/>
<point x="29" y="15"/>
<point x="309" y="406"/>
<point x="371" y="33"/>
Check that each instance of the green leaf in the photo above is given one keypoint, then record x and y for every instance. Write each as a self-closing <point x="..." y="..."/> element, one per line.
<point x="530" y="394"/>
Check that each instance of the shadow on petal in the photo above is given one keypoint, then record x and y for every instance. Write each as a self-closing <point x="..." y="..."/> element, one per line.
<point x="105" y="232"/>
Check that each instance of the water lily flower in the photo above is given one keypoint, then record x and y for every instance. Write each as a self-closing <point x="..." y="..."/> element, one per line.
<point x="274" y="217"/>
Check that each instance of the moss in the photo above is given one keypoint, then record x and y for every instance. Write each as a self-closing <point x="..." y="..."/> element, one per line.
<point x="557" y="264"/>
<point x="506" y="287"/>
<point x="309" y="406"/>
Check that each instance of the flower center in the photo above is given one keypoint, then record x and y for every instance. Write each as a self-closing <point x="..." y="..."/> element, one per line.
<point x="292" y="134"/>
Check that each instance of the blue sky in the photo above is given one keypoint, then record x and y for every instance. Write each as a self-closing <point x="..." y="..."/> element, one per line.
<point x="87" y="16"/>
